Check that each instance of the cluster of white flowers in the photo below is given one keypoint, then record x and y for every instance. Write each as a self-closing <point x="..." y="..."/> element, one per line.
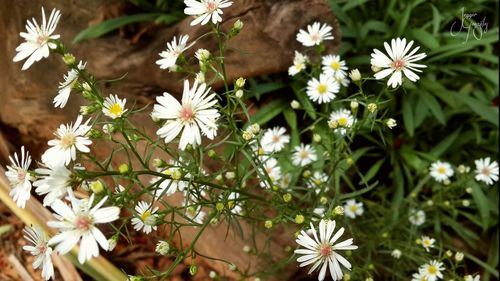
<point x="486" y="171"/>
<point x="430" y="271"/>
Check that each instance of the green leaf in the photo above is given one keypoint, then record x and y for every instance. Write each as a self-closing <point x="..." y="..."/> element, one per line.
<point x="112" y="24"/>
<point x="268" y="112"/>
<point x="482" y="204"/>
<point x="408" y="115"/>
<point x="257" y="90"/>
<point x="427" y="39"/>
<point x="489" y="113"/>
<point x="305" y="102"/>
<point x="445" y="144"/>
<point x="372" y="171"/>
<point x="352" y="3"/>
<point x="291" y="119"/>
<point x="421" y="111"/>
<point x="434" y="106"/>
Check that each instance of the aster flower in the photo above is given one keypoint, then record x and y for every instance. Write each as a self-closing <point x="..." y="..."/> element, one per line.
<point x="432" y="270"/>
<point x="323" y="251"/>
<point x="342" y="79"/>
<point x="427" y="242"/>
<point x="441" y="171"/>
<point x="399" y="62"/>
<point x="418" y="277"/>
<point x="114" y="107"/>
<point x="78" y="225"/>
<point x="274" y="140"/>
<point x="195" y="214"/>
<point x="353" y="209"/>
<point x="40" y="249"/>
<point x="332" y="65"/>
<point x="19" y="177"/>
<point x="472" y="278"/>
<point x="341" y="120"/>
<point x="317" y="181"/>
<point x="299" y="63"/>
<point x="204" y="10"/>
<point x="195" y="114"/>
<point x="272" y="170"/>
<point x="416" y="217"/>
<point x="70" y="139"/>
<point x="146" y="217"/>
<point x="322" y="90"/>
<point x="234" y="204"/>
<point x="65" y="87"/>
<point x="315" y="34"/>
<point x="171" y="186"/>
<point x="53" y="183"/>
<point x="396" y="253"/>
<point x="173" y="51"/>
<point x="486" y="171"/>
<point x="303" y="155"/>
<point x="38" y="39"/>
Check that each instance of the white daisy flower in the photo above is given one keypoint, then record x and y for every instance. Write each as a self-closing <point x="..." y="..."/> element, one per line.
<point x="303" y="155"/>
<point x="54" y="181"/>
<point x="332" y="64"/>
<point x="146" y="217"/>
<point x="40" y="249"/>
<point x="299" y="63"/>
<point x="65" y="87"/>
<point x="416" y="217"/>
<point x="432" y="270"/>
<point x="323" y="251"/>
<point x="38" y="39"/>
<point x="398" y="62"/>
<point x="396" y="253"/>
<point x="342" y="79"/>
<point x="341" y="120"/>
<point x="486" y="171"/>
<point x="322" y="90"/>
<point x="234" y="204"/>
<point x="315" y="34"/>
<point x="272" y="170"/>
<point x="418" y="277"/>
<point x="195" y="214"/>
<point x="114" y="107"/>
<point x="171" y="186"/>
<point x="274" y="140"/>
<point x="472" y="278"/>
<point x="173" y="51"/>
<point x="196" y="113"/>
<point x="19" y="177"/>
<point x="78" y="224"/>
<point x="441" y="171"/>
<point x="427" y="242"/>
<point x="70" y="138"/>
<point x="353" y="209"/>
<point x="204" y="10"/>
<point x="317" y="181"/>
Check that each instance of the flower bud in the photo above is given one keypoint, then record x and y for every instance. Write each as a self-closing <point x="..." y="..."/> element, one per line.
<point x="323" y="200"/>
<point x="355" y="75"/>
<point x="237" y="26"/>
<point x="391" y="123"/>
<point x="162" y="247"/>
<point x="459" y="256"/>
<point x="212" y="274"/>
<point x="306" y="174"/>
<point x="240" y="82"/>
<point x="299" y="219"/>
<point x="354" y="105"/>
<point x="219" y="207"/>
<point x="338" y="210"/>
<point x="317" y="138"/>
<point x="287" y="197"/>
<point x="230" y="175"/>
<point x="112" y="243"/>
<point x="255" y="128"/>
<point x="124" y="168"/>
<point x="268" y="224"/>
<point x="295" y="104"/>
<point x="202" y="55"/>
<point x="69" y="59"/>
<point x="372" y="107"/>
<point x="239" y="94"/>
<point x="193" y="269"/>
<point x="465" y="203"/>
<point x="96" y="187"/>
<point x="247" y="135"/>
<point x="211" y="153"/>
<point x="246" y="249"/>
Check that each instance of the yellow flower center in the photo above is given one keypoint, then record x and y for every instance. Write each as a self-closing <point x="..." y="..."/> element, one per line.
<point x="335" y="65"/>
<point x="432" y="269"/>
<point x="68" y="140"/>
<point x="116" y="109"/>
<point x="342" y="121"/>
<point x="353" y="208"/>
<point x="442" y="170"/>
<point x="144" y="216"/>
<point x="322" y="88"/>
<point x="304" y="154"/>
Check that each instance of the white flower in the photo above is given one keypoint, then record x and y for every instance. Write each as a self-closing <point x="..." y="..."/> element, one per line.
<point x="171" y="186"/>
<point x="418" y="277"/>
<point x="416" y="217"/>
<point x="472" y="278"/>
<point x="315" y="34"/>
<point x="195" y="214"/>
<point x="53" y="183"/>
<point x="38" y="39"/>
<point x="355" y="75"/>
<point x="391" y="123"/>
<point x="427" y="242"/>
<point x="70" y="138"/>
<point x="78" y="224"/>
<point x="162" y="247"/>
<point x="274" y="139"/>
<point x="303" y="155"/>
<point x="19" y="177"/>
<point x="234" y="204"/>
<point x="322" y="90"/>
<point x="203" y="10"/>
<point x="196" y="113"/>
<point x="65" y="87"/>
<point x="323" y="251"/>
<point x="317" y="181"/>
<point x="432" y="270"/>
<point x="441" y="171"/>
<point x="40" y="249"/>
<point x="341" y="120"/>
<point x="342" y="79"/>
<point x="333" y="65"/>
<point x="353" y="209"/>
<point x="146" y="217"/>
<point x="272" y="170"/>
<point x="398" y="62"/>
<point x="486" y="171"/>
<point x="173" y="51"/>
<point x="202" y="55"/>
<point x="299" y="63"/>
<point x="396" y="253"/>
<point x="114" y="107"/>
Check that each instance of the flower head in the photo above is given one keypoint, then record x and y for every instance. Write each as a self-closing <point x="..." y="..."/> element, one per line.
<point x="272" y="170"/>
<point x="353" y="209"/>
<point x="441" y="171"/>
<point x="323" y="251"/>
<point x="78" y="224"/>
<point x="303" y="155"/>
<point x="472" y="278"/>
<point x="416" y="217"/>
<point x="398" y="62"/>
<point x="145" y="219"/>
<point x="70" y="138"/>
<point x="317" y="181"/>
<point x="486" y="171"/>
<point x="54" y="181"/>
<point x="65" y="87"/>
<point x="299" y="63"/>
<point x="333" y="65"/>
<point x="38" y="39"/>
<point x="432" y="270"/>
<point x="341" y="120"/>
<point x="275" y="139"/>
<point x="19" y="177"/>
<point x="204" y="10"/>
<point x="195" y="114"/>
<point x="40" y="249"/>
<point x="114" y="107"/>
<point x="396" y="253"/>
<point x="427" y="242"/>
<point x="322" y="90"/>
<point x="315" y="34"/>
<point x="173" y="51"/>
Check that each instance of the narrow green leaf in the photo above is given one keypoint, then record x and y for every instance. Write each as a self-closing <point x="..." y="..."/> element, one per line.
<point x="434" y="106"/>
<point x="427" y="39"/>
<point x="305" y="102"/>
<point x="291" y="119"/>
<point x="445" y="144"/>
<point x="372" y="171"/>
<point x="268" y="112"/>
<point x="482" y="204"/>
<point x="408" y="115"/>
